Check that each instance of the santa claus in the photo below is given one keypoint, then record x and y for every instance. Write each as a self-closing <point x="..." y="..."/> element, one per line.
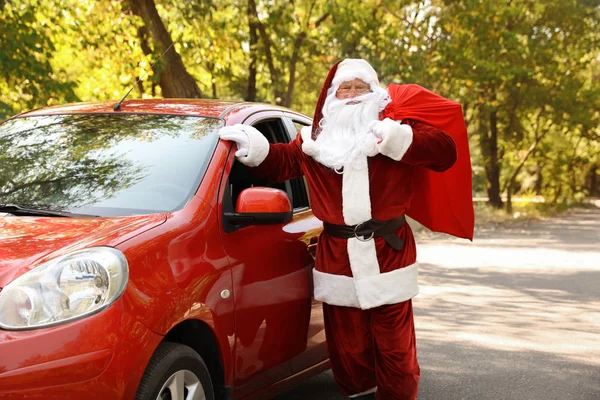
<point x="371" y="156"/>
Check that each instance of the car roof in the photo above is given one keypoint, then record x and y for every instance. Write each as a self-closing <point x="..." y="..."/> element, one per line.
<point x="190" y="107"/>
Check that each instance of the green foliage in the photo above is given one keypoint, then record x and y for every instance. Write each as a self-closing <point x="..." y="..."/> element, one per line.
<point x="527" y="63"/>
<point x="27" y="77"/>
<point x="528" y="68"/>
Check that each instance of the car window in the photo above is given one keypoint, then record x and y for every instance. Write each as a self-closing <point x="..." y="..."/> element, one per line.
<point x="105" y="164"/>
<point x="298" y="125"/>
<point x="241" y="178"/>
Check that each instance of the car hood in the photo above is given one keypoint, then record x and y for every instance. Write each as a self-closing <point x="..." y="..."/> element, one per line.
<point x="27" y="241"/>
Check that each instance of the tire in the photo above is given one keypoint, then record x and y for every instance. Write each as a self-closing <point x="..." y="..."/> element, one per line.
<point x="172" y="366"/>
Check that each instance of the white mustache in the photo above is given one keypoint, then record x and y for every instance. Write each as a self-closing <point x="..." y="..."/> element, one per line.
<point x="371" y="96"/>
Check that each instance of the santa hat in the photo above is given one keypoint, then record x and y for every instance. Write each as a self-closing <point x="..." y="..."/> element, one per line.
<point x="321" y="101"/>
<point x="352" y="68"/>
<point x="342" y="71"/>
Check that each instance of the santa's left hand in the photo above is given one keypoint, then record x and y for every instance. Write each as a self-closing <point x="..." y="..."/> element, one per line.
<point x="380" y="129"/>
<point x="395" y="138"/>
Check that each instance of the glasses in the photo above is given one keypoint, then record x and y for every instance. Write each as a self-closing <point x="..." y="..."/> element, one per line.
<point x="345" y="90"/>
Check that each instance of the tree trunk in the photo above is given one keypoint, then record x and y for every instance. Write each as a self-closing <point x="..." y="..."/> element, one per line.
<point x="296" y="54"/>
<point x="175" y="81"/>
<point x="509" y="190"/>
<point x="292" y="81"/>
<point x="489" y="150"/>
<point x="142" y="34"/>
<point x="593" y="188"/>
<point x="539" y="178"/>
<point x="276" y="83"/>
<point x="573" y="169"/>
<point x="251" y="93"/>
<point x="513" y="178"/>
<point x="558" y="193"/>
<point x="465" y="108"/>
<point x="213" y="82"/>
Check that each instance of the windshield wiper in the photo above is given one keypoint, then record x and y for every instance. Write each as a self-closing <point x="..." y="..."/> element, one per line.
<point x="16" y="209"/>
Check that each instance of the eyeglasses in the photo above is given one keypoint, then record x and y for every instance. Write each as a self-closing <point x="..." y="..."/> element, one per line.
<point x="344" y="90"/>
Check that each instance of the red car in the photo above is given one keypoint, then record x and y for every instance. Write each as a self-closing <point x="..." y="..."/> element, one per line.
<point x="140" y="260"/>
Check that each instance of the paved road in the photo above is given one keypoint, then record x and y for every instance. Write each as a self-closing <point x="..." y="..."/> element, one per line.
<point x="513" y="315"/>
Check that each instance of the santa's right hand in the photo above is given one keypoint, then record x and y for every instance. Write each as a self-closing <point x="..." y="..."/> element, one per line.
<point x="236" y="133"/>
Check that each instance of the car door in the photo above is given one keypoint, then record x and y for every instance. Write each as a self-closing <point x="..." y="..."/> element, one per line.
<point x="270" y="267"/>
<point x="316" y="346"/>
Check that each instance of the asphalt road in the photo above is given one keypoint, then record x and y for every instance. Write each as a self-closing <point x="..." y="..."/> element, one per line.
<point x="513" y="315"/>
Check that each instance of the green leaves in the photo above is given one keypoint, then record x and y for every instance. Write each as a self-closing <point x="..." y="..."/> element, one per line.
<point x="27" y="77"/>
<point x="504" y="61"/>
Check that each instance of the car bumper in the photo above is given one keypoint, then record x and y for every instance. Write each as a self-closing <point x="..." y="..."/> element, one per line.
<point x="99" y="357"/>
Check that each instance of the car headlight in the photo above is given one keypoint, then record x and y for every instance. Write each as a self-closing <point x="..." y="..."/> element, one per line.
<point x="66" y="288"/>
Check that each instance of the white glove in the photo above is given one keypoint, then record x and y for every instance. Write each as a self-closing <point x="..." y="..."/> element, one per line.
<point x="394" y="138"/>
<point x="381" y="129"/>
<point x="236" y="133"/>
<point x="252" y="146"/>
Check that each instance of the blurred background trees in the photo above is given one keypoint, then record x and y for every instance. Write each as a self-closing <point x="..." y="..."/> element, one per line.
<point x="525" y="71"/>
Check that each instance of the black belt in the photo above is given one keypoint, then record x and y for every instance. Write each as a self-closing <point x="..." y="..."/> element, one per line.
<point x="368" y="230"/>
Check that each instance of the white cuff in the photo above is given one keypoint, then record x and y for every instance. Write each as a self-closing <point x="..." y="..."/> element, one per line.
<point x="258" y="148"/>
<point x="396" y="142"/>
<point x="309" y="146"/>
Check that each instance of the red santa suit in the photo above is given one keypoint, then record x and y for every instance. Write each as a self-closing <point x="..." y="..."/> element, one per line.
<point x="366" y="285"/>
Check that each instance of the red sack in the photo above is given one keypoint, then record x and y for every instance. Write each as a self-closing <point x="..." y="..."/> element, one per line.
<point x="442" y="201"/>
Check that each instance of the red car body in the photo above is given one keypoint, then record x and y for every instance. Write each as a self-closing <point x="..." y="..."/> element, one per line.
<point x="242" y="299"/>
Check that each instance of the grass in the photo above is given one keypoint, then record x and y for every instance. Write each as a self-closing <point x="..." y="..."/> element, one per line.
<point x="525" y="211"/>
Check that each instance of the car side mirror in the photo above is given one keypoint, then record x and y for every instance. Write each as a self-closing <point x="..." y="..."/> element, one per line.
<point x="261" y="206"/>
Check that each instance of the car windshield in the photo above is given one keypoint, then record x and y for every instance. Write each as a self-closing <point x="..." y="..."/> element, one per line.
<point x="105" y="164"/>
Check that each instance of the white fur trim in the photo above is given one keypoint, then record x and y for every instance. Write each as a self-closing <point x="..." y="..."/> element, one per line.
<point x="352" y="68"/>
<point x="363" y="393"/>
<point x="258" y="148"/>
<point x="363" y="258"/>
<point x="337" y="290"/>
<point x="388" y="288"/>
<point x="308" y="144"/>
<point x="370" y="292"/>
<point x="356" y="201"/>
<point x="397" y="141"/>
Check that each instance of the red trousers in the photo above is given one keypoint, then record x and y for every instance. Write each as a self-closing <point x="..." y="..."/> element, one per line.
<point x="373" y="348"/>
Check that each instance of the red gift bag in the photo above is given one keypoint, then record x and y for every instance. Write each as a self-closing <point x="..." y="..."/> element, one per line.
<point x="442" y="201"/>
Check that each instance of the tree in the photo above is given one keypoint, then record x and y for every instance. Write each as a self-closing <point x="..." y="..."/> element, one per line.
<point x="282" y="37"/>
<point x="27" y="76"/>
<point x="526" y="72"/>
<point x="518" y="60"/>
<point x="175" y="80"/>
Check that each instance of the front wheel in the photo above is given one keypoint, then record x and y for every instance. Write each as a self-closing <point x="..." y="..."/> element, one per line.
<point x="175" y="372"/>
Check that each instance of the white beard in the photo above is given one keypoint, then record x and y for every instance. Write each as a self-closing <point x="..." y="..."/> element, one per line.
<point x="344" y="138"/>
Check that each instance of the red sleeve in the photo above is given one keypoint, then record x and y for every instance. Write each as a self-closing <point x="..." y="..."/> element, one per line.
<point x="431" y="148"/>
<point x="283" y="162"/>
